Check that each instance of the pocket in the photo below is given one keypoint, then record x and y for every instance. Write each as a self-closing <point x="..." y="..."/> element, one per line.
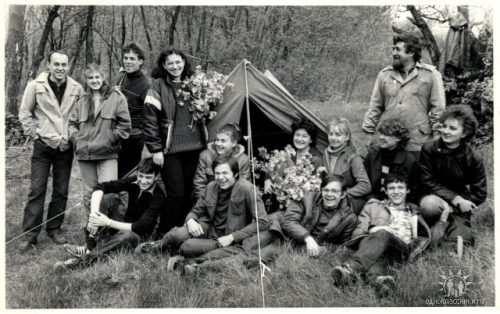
<point x="422" y="89"/>
<point x="425" y="129"/>
<point x="391" y="87"/>
<point x="238" y="206"/>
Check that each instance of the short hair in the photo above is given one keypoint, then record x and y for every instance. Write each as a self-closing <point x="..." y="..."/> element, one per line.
<point x="106" y="90"/>
<point x="147" y="166"/>
<point x="135" y="48"/>
<point x="464" y="114"/>
<point x="412" y="44"/>
<point x="307" y="125"/>
<point x="49" y="56"/>
<point x="395" y="178"/>
<point x="226" y="159"/>
<point x="232" y="129"/>
<point x="329" y="178"/>
<point x="343" y="125"/>
<point x="394" y="127"/>
<point x="160" y="72"/>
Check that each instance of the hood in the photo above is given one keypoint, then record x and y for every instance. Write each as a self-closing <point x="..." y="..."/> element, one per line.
<point x="237" y="152"/>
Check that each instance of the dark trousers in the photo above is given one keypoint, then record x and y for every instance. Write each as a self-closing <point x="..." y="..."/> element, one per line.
<point x="177" y="175"/>
<point x="376" y="251"/>
<point x="43" y="158"/>
<point x="130" y="154"/>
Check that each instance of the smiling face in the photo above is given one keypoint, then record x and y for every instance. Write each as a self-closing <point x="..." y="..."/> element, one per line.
<point x="301" y="140"/>
<point x="336" y="137"/>
<point x="452" y="132"/>
<point x="145" y="180"/>
<point x="387" y="141"/>
<point x="332" y="194"/>
<point x="396" y="192"/>
<point x="224" y="144"/>
<point x="131" y="62"/>
<point x="174" y="64"/>
<point x="95" y="80"/>
<point x="224" y="177"/>
<point x="399" y="55"/>
<point x="58" y="67"/>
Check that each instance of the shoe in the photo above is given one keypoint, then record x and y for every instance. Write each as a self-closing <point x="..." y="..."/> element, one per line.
<point x="343" y="275"/>
<point x="69" y="264"/>
<point x="190" y="270"/>
<point x="76" y="250"/>
<point x="58" y="237"/>
<point x="179" y="265"/>
<point x="149" y="248"/>
<point x="384" y="285"/>
<point x="26" y="246"/>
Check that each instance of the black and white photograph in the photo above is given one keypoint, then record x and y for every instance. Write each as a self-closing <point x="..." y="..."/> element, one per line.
<point x="248" y="156"/>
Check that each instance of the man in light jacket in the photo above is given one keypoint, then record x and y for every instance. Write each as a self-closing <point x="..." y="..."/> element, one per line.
<point x="45" y="108"/>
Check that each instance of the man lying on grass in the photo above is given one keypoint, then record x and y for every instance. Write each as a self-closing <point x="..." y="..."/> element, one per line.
<point x="387" y="231"/>
<point x="145" y="202"/>
<point x="217" y="224"/>
<point x="321" y="217"/>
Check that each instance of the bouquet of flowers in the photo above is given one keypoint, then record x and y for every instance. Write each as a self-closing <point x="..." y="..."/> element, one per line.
<point x="291" y="180"/>
<point x="202" y="91"/>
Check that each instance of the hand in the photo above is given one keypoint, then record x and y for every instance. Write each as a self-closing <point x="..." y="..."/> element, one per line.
<point x="194" y="228"/>
<point x="225" y="240"/>
<point x="445" y="213"/>
<point x="92" y="229"/>
<point x="98" y="219"/>
<point x="268" y="186"/>
<point x="464" y="205"/>
<point x="312" y="247"/>
<point x="158" y="158"/>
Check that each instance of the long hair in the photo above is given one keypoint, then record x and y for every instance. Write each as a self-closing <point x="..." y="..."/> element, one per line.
<point x="105" y="90"/>
<point x="160" y="72"/>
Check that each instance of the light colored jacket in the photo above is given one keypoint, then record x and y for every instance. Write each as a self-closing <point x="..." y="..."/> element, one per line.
<point x="418" y="101"/>
<point x="41" y="115"/>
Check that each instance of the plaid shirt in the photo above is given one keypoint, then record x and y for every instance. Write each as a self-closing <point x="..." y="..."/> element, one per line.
<point x="400" y="224"/>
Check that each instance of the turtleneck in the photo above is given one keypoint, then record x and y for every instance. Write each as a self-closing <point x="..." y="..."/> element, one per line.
<point x="336" y="151"/>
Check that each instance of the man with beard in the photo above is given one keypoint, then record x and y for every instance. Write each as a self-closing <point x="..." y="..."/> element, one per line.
<point x="409" y="90"/>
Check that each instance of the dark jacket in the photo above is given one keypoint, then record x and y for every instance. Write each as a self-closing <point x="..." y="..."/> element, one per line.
<point x="97" y="137"/>
<point x="301" y="217"/>
<point x="448" y="173"/>
<point x="240" y="213"/>
<point x="143" y="208"/>
<point x="159" y="116"/>
<point x="375" y="213"/>
<point x="404" y="163"/>
<point x="204" y="172"/>
<point x="135" y="87"/>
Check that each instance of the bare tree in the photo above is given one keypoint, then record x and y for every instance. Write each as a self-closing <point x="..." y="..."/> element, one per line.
<point x="89" y="40"/>
<point x="175" y="17"/>
<point x="14" y="55"/>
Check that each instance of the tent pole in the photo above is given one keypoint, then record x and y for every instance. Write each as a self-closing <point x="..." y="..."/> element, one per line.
<point x="262" y="266"/>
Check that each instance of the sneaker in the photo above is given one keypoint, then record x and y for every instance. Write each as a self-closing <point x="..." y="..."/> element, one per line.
<point x="76" y="250"/>
<point x="69" y="264"/>
<point x="384" y="285"/>
<point x="149" y="247"/>
<point x="176" y="263"/>
<point x="190" y="270"/>
<point x="343" y="275"/>
<point x="57" y="237"/>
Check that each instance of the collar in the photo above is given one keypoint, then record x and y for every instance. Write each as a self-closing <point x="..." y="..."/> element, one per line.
<point x="387" y="204"/>
<point x="134" y="74"/>
<point x="52" y="83"/>
<point x="442" y="148"/>
<point x="150" y="190"/>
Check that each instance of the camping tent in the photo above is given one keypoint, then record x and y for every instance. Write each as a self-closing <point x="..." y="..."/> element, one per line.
<point x="271" y="107"/>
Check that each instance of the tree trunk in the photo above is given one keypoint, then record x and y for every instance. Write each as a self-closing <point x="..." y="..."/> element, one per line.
<point x="40" y="51"/>
<point x="189" y="23"/>
<point x="124" y="27"/>
<point x="112" y="47"/>
<point x="208" y="39"/>
<point x="89" y="41"/>
<point x="431" y="43"/>
<point x="14" y="51"/>
<point x="175" y="17"/>
<point x="201" y="31"/>
<point x="146" y="31"/>
<point x="82" y="34"/>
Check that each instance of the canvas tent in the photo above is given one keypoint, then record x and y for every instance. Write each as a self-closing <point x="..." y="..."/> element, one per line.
<point x="272" y="109"/>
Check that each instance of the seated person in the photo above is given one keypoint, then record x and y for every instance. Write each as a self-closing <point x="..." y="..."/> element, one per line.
<point x="341" y="157"/>
<point x="146" y="200"/>
<point x="226" y="143"/>
<point x="453" y="175"/>
<point x="219" y="221"/>
<point x="390" y="156"/>
<point x="387" y="231"/>
<point x="321" y="217"/>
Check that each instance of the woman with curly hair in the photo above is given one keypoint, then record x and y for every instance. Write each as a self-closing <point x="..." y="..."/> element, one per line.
<point x="175" y="145"/>
<point x="389" y="156"/>
<point x="452" y="176"/>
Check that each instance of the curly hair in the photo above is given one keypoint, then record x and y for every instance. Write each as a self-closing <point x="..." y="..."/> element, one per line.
<point x="135" y="48"/>
<point x="412" y="44"/>
<point x="465" y="115"/>
<point x="394" y="127"/>
<point x="160" y="72"/>
<point x="308" y="126"/>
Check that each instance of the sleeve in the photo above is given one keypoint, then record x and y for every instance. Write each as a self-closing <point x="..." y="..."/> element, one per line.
<point x="26" y="110"/>
<point x="437" y="99"/>
<point x="262" y="220"/>
<point x="147" y="222"/>
<point x="244" y="164"/>
<point x="437" y="232"/>
<point x="115" y="186"/>
<point x="151" y="120"/>
<point x="73" y="122"/>
<point x="364" y="219"/>
<point x="123" y="125"/>
<point x="290" y="222"/>
<point x="199" y="210"/>
<point x="376" y="107"/>
<point x="414" y="182"/>
<point x="363" y="186"/>
<point x="478" y="184"/>
<point x="200" y="179"/>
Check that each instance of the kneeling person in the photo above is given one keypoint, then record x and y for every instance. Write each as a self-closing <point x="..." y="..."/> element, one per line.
<point x="387" y="230"/>
<point x="145" y="202"/>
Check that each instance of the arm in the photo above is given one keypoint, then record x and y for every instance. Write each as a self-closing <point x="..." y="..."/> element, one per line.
<point x="26" y="109"/>
<point x="437" y="99"/>
<point x="115" y="186"/>
<point x="363" y="186"/>
<point x="151" y="120"/>
<point x="376" y="108"/>
<point x="244" y="164"/>
<point x="123" y="125"/>
<point x="262" y="221"/>
<point x="364" y="219"/>
<point x="290" y="222"/>
<point x="73" y="122"/>
<point x="478" y="184"/>
<point x="200" y="179"/>
<point x="147" y="222"/>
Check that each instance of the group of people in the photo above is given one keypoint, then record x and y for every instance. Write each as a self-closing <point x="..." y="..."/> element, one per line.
<point x="418" y="185"/>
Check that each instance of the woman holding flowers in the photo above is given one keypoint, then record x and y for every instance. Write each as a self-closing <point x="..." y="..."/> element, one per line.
<point x="171" y="136"/>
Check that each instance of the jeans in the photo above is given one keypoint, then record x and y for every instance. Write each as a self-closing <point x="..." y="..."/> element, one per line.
<point x="93" y="172"/>
<point x="374" y="251"/>
<point x="121" y="239"/>
<point x="130" y="154"/>
<point x="43" y="158"/>
<point x="177" y="175"/>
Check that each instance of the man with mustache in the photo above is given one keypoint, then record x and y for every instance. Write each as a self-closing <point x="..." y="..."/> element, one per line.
<point x="409" y="90"/>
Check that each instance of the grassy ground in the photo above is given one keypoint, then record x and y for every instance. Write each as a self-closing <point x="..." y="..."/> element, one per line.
<point x="295" y="280"/>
